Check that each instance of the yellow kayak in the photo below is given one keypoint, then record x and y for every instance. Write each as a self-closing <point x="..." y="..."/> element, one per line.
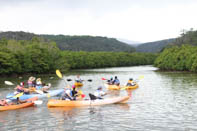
<point x="130" y="87"/>
<point x="112" y="87"/>
<point x="78" y="103"/>
<point x="78" y="84"/>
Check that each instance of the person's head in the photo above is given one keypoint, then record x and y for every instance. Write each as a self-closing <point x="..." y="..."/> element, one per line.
<point x="38" y="79"/>
<point x="49" y="84"/>
<point x="73" y="87"/>
<point x="99" y="88"/>
<point x="116" y="77"/>
<point x="78" y="76"/>
<point x="32" y="78"/>
<point x="131" y="79"/>
<point x="22" y="84"/>
<point x="111" y="78"/>
<point x="3" y="101"/>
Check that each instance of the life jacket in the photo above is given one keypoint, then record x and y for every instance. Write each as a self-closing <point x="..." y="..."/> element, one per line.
<point x="19" y="88"/>
<point x="130" y="81"/>
<point x="30" y="84"/>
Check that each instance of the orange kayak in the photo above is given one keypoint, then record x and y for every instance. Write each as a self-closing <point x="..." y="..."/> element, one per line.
<point x="112" y="87"/>
<point x="18" y="106"/>
<point x="13" y="107"/>
<point x="97" y="102"/>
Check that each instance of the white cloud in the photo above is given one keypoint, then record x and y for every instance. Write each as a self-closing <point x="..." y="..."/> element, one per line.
<point x="140" y="20"/>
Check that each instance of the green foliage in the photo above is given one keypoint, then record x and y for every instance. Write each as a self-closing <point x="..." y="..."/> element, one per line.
<point x="187" y="37"/>
<point x="183" y="58"/>
<point x="88" y="43"/>
<point x="38" y="55"/>
<point x="35" y="56"/>
<point x="84" y="60"/>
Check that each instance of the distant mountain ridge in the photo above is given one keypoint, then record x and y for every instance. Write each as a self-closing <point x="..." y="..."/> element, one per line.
<point x="129" y="42"/>
<point x="155" y="46"/>
<point x="89" y="43"/>
<point x="74" y="43"/>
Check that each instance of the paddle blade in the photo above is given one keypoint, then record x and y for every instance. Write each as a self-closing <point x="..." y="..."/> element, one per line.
<point x="38" y="102"/>
<point x="123" y="88"/>
<point x="8" y="83"/>
<point x="83" y="95"/>
<point x="58" y="73"/>
<point x="18" y="95"/>
<point x="90" y="80"/>
<point x="39" y="92"/>
<point x="141" y="77"/>
<point x="69" y="79"/>
<point x="103" y="79"/>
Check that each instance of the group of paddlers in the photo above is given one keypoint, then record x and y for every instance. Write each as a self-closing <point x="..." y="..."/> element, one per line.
<point x="75" y="93"/>
<point x="116" y="81"/>
<point x="33" y="85"/>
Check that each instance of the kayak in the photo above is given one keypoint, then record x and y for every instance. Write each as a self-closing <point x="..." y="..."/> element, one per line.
<point x="13" y="107"/>
<point x="45" y="95"/>
<point x="115" y="87"/>
<point x="78" y="84"/>
<point x="97" y="102"/>
<point x="131" y="87"/>
<point x="112" y="87"/>
<point x="19" y="106"/>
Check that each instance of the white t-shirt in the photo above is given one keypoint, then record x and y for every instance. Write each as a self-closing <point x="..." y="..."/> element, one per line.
<point x="99" y="93"/>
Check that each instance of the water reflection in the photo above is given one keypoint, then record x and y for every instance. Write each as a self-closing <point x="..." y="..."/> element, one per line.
<point x="164" y="101"/>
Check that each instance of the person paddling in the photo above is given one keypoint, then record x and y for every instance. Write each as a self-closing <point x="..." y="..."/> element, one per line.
<point x="19" y="88"/>
<point x="78" y="79"/>
<point x="99" y="92"/>
<point x="3" y="102"/>
<point x="116" y="81"/>
<point x="110" y="82"/>
<point x="67" y="94"/>
<point x="130" y="82"/>
<point x="31" y="82"/>
<point x="74" y="93"/>
<point x="46" y="87"/>
<point x="38" y="83"/>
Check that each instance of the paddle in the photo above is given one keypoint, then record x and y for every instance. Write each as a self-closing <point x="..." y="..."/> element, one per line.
<point x="18" y="95"/>
<point x="89" y="80"/>
<point x="34" y="100"/>
<point x="59" y="74"/>
<point x="38" y="102"/>
<point x="8" y="83"/>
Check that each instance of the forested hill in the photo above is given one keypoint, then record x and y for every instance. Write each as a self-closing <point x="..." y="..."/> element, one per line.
<point x="154" y="47"/>
<point x="74" y="43"/>
<point x="88" y="43"/>
<point x="17" y="35"/>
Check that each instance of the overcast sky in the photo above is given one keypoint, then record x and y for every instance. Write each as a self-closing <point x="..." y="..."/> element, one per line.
<point x="136" y="20"/>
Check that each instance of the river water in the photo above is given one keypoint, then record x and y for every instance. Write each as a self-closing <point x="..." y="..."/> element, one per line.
<point x="164" y="101"/>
